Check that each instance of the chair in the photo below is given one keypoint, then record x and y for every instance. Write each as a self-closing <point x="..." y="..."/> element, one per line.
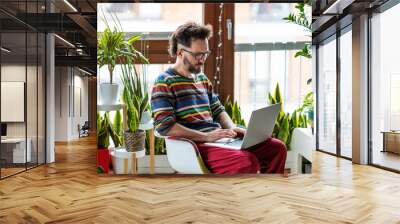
<point x="302" y="146"/>
<point x="84" y="130"/>
<point x="183" y="155"/>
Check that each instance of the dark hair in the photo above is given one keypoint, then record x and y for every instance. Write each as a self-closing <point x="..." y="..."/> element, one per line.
<point x="186" y="33"/>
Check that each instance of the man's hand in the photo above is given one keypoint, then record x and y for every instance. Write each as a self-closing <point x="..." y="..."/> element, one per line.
<point x="240" y="132"/>
<point x="217" y="134"/>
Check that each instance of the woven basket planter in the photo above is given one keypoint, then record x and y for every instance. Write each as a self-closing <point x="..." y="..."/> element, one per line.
<point x="135" y="141"/>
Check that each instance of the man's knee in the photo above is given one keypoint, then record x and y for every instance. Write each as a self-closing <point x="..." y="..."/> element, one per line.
<point x="278" y="146"/>
<point x="249" y="163"/>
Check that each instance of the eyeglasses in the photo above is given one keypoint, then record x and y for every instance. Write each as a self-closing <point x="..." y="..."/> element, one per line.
<point x="198" y="55"/>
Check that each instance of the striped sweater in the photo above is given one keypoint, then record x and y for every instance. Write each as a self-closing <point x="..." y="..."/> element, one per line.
<point x="189" y="102"/>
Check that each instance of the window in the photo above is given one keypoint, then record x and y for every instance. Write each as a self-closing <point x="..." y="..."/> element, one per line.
<point x="385" y="86"/>
<point x="22" y="64"/>
<point x="150" y="71"/>
<point x="156" y="20"/>
<point x="266" y="58"/>
<point x="327" y="96"/>
<point x="346" y="93"/>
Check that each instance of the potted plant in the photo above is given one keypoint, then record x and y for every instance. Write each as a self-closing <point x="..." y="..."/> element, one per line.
<point x="112" y="48"/>
<point x="286" y="123"/>
<point x="136" y="101"/>
<point x="103" y="142"/>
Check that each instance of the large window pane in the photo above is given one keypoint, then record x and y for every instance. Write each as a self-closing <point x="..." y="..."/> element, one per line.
<point x="150" y="72"/>
<point x="346" y="94"/>
<point x="261" y="63"/>
<point x="327" y="96"/>
<point x="13" y="83"/>
<point x="265" y="24"/>
<point x="156" y="19"/>
<point x="385" y="88"/>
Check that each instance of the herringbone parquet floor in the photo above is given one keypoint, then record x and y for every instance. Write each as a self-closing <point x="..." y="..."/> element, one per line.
<point x="70" y="191"/>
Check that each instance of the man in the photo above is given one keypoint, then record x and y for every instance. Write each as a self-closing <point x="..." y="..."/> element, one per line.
<point x="184" y="105"/>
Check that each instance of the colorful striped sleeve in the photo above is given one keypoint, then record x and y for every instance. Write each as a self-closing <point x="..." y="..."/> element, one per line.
<point x="215" y="104"/>
<point x="162" y="104"/>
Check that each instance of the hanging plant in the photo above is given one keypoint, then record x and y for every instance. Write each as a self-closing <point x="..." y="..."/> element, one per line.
<point x="300" y="18"/>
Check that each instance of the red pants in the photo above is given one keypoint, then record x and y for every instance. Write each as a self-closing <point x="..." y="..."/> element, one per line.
<point x="266" y="157"/>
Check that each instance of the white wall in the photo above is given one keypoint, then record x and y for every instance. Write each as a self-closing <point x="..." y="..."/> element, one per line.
<point x="71" y="94"/>
<point x="12" y="73"/>
<point x="33" y="127"/>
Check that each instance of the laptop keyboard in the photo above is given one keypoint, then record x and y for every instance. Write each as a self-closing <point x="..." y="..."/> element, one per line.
<point x="229" y="141"/>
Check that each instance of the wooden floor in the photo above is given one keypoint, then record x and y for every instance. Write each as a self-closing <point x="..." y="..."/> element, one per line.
<point x="70" y="191"/>
<point x="387" y="159"/>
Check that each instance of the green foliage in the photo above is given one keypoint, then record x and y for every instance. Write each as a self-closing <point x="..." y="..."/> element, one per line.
<point x="307" y="107"/>
<point x="112" y="46"/>
<point x="117" y="133"/>
<point x="286" y="123"/>
<point x="277" y="97"/>
<point x="308" y="103"/>
<point x="159" y="145"/>
<point x="233" y="110"/>
<point x="300" y="18"/>
<point x="99" y="169"/>
<point x="118" y="122"/>
<point x="105" y="130"/>
<point x="304" y="52"/>
<point x="134" y="95"/>
<point x="103" y="134"/>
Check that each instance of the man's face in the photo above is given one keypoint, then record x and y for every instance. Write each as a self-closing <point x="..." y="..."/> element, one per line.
<point x="194" y="57"/>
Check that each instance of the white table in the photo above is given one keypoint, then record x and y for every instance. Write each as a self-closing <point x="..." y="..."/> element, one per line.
<point x="18" y="149"/>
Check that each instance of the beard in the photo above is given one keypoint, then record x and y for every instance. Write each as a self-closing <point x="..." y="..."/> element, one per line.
<point x="192" y="68"/>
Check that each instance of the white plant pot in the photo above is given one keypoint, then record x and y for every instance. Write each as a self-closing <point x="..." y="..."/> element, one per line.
<point x="122" y="160"/>
<point x="109" y="93"/>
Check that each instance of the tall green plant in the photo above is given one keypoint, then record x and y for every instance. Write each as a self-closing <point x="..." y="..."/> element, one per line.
<point x="134" y="96"/>
<point x="116" y="138"/>
<point x="112" y="46"/>
<point x="105" y="130"/>
<point x="159" y="145"/>
<point x="103" y="134"/>
<point x="307" y="107"/>
<point x="232" y="108"/>
<point x="117" y="131"/>
<point x="286" y="123"/>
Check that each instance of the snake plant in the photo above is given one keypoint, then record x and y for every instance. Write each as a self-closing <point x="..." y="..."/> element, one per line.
<point x="286" y="122"/>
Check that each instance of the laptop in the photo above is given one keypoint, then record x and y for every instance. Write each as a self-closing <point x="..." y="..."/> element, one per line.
<point x="260" y="128"/>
